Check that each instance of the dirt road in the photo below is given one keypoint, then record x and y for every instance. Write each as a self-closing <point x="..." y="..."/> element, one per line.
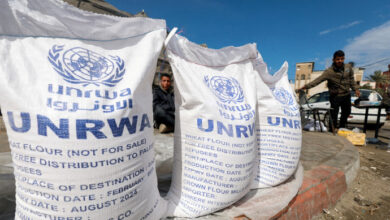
<point x="368" y="197"/>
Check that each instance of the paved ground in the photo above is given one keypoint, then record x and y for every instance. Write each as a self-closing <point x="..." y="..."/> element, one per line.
<point x="368" y="197"/>
<point x="330" y="163"/>
<point x="7" y="183"/>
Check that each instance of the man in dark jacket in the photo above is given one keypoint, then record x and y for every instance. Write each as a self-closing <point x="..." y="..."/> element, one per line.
<point x="341" y="80"/>
<point x="164" y="105"/>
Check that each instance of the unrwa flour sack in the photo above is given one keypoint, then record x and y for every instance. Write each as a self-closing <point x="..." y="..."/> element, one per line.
<point x="278" y="127"/>
<point x="76" y="98"/>
<point x="214" y="139"/>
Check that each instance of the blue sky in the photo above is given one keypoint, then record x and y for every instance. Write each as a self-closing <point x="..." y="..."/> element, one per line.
<point x="295" y="31"/>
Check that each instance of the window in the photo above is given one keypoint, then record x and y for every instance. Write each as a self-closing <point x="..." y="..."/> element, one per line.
<point x="324" y="97"/>
<point x="302" y="77"/>
<point x="364" y="94"/>
<point x="315" y="98"/>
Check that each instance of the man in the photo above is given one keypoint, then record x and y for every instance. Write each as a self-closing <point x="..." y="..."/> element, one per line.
<point x="341" y="80"/>
<point x="164" y="105"/>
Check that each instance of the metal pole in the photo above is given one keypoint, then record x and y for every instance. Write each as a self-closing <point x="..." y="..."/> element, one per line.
<point x="365" y="121"/>
<point x="377" y="122"/>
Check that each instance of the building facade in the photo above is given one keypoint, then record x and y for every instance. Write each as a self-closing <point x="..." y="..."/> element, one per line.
<point x="386" y="75"/>
<point x="305" y="73"/>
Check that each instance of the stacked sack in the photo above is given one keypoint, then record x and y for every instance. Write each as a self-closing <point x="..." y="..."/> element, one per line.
<point x="278" y="127"/>
<point x="77" y="105"/>
<point x="214" y="148"/>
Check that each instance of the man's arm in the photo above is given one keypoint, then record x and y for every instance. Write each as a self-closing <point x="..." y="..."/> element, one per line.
<point x="318" y="80"/>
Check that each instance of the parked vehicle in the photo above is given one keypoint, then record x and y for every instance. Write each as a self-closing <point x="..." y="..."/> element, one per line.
<point x="371" y="97"/>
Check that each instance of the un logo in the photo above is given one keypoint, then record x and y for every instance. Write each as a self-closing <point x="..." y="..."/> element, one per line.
<point x="82" y="66"/>
<point x="226" y="89"/>
<point x="283" y="96"/>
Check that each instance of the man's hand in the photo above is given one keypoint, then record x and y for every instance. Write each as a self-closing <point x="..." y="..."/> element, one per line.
<point x="357" y="92"/>
<point x="298" y="90"/>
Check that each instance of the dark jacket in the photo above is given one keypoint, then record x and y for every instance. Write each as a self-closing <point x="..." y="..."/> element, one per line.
<point x="163" y="99"/>
<point x="340" y="81"/>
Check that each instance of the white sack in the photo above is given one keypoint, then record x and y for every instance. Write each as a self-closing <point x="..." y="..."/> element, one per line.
<point x="264" y="204"/>
<point x="315" y="126"/>
<point x="76" y="98"/>
<point x="214" y="148"/>
<point x="278" y="127"/>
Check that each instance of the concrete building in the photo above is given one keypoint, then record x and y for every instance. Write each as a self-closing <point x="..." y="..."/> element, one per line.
<point x="386" y="75"/>
<point x="368" y="83"/>
<point x="305" y="73"/>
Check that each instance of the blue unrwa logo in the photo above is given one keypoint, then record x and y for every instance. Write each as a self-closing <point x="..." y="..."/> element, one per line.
<point x="283" y="96"/>
<point x="231" y="130"/>
<point x="82" y="66"/>
<point x="284" y="122"/>
<point x="225" y="89"/>
<point x="287" y="101"/>
<point x="60" y="127"/>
